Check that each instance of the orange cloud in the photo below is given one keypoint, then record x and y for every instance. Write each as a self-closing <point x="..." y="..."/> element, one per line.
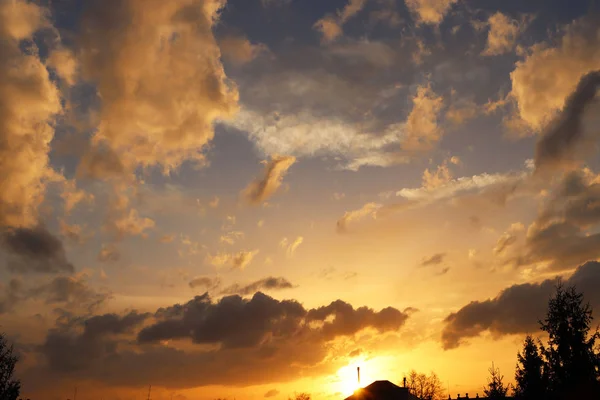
<point x="543" y="81"/>
<point x="263" y="188"/>
<point x="422" y="131"/>
<point x="331" y="26"/>
<point x="429" y="11"/>
<point x="29" y="102"/>
<point x="156" y="66"/>
<point x="238" y="49"/>
<point x="238" y="260"/>
<point x="503" y="34"/>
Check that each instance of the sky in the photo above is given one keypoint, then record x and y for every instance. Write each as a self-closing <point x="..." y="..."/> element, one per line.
<point x="251" y="198"/>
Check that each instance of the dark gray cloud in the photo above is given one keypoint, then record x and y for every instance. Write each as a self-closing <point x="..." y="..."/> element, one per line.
<point x="237" y="322"/>
<point x="232" y="322"/>
<point x="565" y="138"/>
<point x="347" y="320"/>
<point x="270" y="283"/>
<point x="435" y="259"/>
<point x="101" y="325"/>
<point x="35" y="250"/>
<point x="70" y="291"/>
<point x="516" y="309"/>
<point x="271" y="393"/>
<point x="242" y="342"/>
<point x="205" y="282"/>
<point x="67" y="351"/>
<point x="562" y="235"/>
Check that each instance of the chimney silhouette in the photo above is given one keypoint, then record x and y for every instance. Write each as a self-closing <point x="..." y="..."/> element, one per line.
<point x="358" y="373"/>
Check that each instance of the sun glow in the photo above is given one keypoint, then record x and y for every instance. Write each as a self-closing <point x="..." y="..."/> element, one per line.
<point x="371" y="369"/>
<point x="348" y="379"/>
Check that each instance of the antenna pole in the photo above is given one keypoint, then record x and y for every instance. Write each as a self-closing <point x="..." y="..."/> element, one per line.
<point x="149" y="390"/>
<point x="75" y="394"/>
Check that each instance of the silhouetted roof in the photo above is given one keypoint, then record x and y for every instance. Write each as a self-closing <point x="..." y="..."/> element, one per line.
<point x="382" y="390"/>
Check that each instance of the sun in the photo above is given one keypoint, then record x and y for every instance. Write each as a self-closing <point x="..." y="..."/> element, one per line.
<point x="348" y="379"/>
<point x="371" y="369"/>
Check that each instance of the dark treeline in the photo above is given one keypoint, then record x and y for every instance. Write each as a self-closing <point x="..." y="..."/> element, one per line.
<point x="567" y="366"/>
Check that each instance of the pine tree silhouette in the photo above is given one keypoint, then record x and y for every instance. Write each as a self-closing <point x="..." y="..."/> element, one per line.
<point x="529" y="376"/>
<point x="571" y="358"/>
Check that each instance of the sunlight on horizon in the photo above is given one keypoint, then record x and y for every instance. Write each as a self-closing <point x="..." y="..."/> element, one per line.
<point x="371" y="370"/>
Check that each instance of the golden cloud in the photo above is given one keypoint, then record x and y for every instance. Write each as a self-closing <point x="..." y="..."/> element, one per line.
<point x="29" y="101"/>
<point x="331" y="26"/>
<point x="429" y="11"/>
<point x="542" y="82"/>
<point x="422" y="130"/>
<point x="156" y="66"/>
<point x="238" y="49"/>
<point x="263" y="188"/>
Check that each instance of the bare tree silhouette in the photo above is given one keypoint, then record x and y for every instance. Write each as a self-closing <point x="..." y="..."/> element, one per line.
<point x="9" y="386"/>
<point x="425" y="387"/>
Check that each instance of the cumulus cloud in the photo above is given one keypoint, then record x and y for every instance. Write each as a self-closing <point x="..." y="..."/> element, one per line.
<point x="66" y="65"/>
<point x="68" y="350"/>
<point x="72" y="195"/>
<point x="266" y="284"/>
<point x="29" y="102"/>
<point x="543" y="81"/>
<point x="430" y="11"/>
<point x="263" y="188"/>
<point x="239" y="49"/>
<point x="72" y="232"/>
<point x="239" y="260"/>
<point x="422" y="131"/>
<point x="156" y="67"/>
<point x="503" y="34"/>
<point x="570" y="137"/>
<point x="35" y="250"/>
<point x="563" y="235"/>
<point x="331" y="25"/>
<point x="252" y="321"/>
<point x="272" y="340"/>
<point x="131" y="224"/>
<point x="516" y="309"/>
<point x="434" y="179"/>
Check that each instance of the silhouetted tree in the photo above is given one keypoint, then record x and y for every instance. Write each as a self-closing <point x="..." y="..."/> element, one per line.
<point x="425" y="387"/>
<point x="529" y="377"/>
<point x="571" y="357"/>
<point x="300" y="396"/>
<point x="495" y="389"/>
<point x="9" y="386"/>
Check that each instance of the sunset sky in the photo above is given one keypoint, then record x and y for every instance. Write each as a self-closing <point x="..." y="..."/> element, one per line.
<point x="250" y="198"/>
